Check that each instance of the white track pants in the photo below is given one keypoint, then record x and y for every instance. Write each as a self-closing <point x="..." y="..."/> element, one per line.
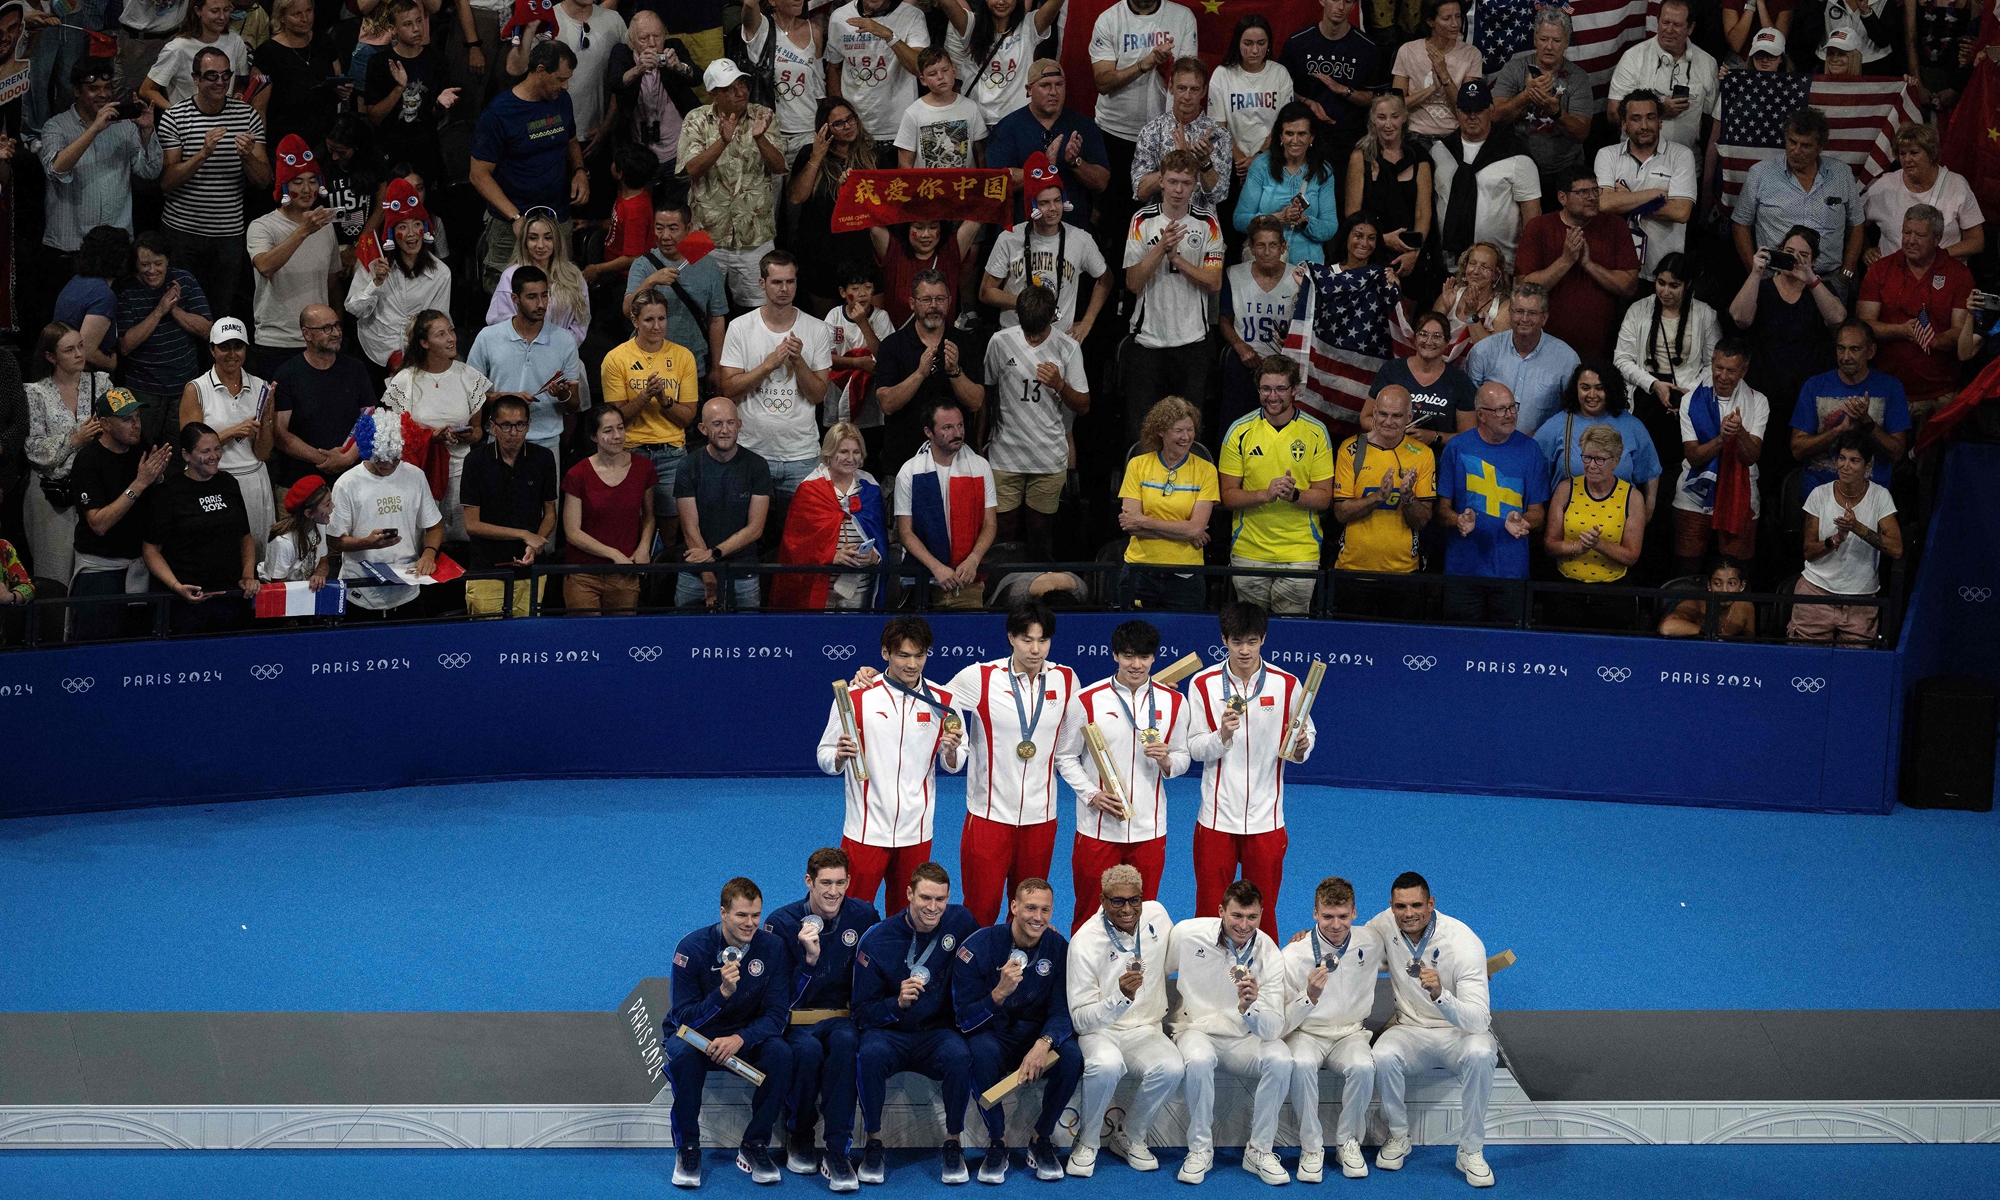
<point x="1108" y="1056"/>
<point x="1245" y="1056"/>
<point x="1402" y="1049"/>
<point x="1352" y="1059"/>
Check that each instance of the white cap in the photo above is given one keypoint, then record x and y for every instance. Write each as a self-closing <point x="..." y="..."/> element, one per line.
<point x="1768" y="41"/>
<point x="1842" y="39"/>
<point x="228" y="329"/>
<point x="720" y="74"/>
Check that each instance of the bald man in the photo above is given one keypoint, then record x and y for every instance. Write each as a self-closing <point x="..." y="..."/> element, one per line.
<point x="723" y="493"/>
<point x="1384" y="487"/>
<point x="1493" y="492"/>
<point x="320" y="395"/>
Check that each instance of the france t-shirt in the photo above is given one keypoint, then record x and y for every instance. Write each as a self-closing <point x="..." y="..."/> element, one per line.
<point x="1492" y="481"/>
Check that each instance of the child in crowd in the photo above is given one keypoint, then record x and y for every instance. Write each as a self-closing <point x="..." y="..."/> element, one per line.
<point x="1739" y="617"/>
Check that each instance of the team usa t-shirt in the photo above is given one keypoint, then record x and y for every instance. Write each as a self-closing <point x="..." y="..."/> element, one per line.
<point x="998" y="85"/>
<point x="800" y="78"/>
<point x="871" y="77"/>
<point x="1262" y="315"/>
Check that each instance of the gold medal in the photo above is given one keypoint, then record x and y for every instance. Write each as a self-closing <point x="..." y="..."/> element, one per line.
<point x="952" y="723"/>
<point x="1025" y="750"/>
<point x="1239" y="704"/>
<point x="1149" y="736"/>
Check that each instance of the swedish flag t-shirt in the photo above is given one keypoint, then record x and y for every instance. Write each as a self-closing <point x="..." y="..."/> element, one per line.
<point x="1492" y="481"/>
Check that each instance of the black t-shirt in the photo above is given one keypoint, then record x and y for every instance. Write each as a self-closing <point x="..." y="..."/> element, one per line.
<point x="99" y="476"/>
<point x="1434" y="407"/>
<point x="1354" y="60"/>
<point x="302" y="98"/>
<point x="199" y="528"/>
<point x="410" y="131"/>
<point x="895" y="359"/>
<point x="324" y="407"/>
<point x="721" y="492"/>
<point x="511" y="496"/>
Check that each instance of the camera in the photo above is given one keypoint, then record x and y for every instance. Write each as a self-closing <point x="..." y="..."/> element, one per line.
<point x="1781" y="260"/>
<point x="128" y="110"/>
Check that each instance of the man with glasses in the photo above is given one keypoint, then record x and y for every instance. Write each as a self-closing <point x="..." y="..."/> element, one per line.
<point x="320" y="395"/>
<point x="209" y="145"/>
<point x="1493" y="492"/>
<point x="1533" y="365"/>
<point x="1384" y="487"/>
<point x="723" y="494"/>
<point x="509" y="496"/>
<point x="90" y="155"/>
<point x="918" y="366"/>
<point x="1117" y="978"/>
<point x="1276" y="475"/>
<point x="1584" y="257"/>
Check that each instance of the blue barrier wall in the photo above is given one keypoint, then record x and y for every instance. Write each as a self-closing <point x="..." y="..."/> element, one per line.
<point x="1403" y="707"/>
<point x="1954" y="617"/>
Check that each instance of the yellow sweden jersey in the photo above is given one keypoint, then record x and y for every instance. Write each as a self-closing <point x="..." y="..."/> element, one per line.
<point x="1381" y="541"/>
<point x="1167" y="496"/>
<point x="1257" y="452"/>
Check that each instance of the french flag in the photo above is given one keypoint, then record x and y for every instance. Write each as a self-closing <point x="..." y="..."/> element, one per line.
<point x="297" y="599"/>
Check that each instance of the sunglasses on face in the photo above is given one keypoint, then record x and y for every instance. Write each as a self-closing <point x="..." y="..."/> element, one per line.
<point x="212" y="76"/>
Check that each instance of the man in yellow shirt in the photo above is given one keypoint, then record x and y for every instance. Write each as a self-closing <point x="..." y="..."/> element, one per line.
<point x="1384" y="487"/>
<point x="653" y="383"/>
<point x="1277" y="477"/>
<point x="1164" y="503"/>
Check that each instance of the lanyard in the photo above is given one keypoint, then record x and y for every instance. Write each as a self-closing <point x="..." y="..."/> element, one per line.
<point x="1417" y="951"/>
<point x="1229" y="683"/>
<point x="911" y="959"/>
<point x="1118" y="947"/>
<point x="1021" y="710"/>
<point x="1336" y="953"/>
<point x="913" y="694"/>
<point x="1238" y="958"/>
<point x="1152" y="710"/>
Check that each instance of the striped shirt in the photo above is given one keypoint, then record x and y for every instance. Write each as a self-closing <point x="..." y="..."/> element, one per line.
<point x="164" y="362"/>
<point x="210" y="202"/>
<point x="1030" y="436"/>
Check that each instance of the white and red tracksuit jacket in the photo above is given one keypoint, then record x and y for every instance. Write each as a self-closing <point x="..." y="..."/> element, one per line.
<point x="1145" y="786"/>
<point x="1000" y="786"/>
<point x="899" y="745"/>
<point x="1243" y="780"/>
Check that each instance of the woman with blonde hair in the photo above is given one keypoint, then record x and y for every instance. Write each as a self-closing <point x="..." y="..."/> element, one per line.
<point x="835" y="517"/>
<point x="1474" y="299"/>
<point x="1164" y="503"/>
<point x="542" y="244"/>
<point x="298" y="550"/>
<point x="1387" y="177"/>
<point x="206" y="27"/>
<point x="1924" y="179"/>
<point x="1596" y="528"/>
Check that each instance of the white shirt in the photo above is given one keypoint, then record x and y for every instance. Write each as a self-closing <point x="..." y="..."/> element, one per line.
<point x="1459" y="958"/>
<point x="965" y="462"/>
<point x="283" y="563"/>
<point x="1889" y="198"/>
<point x="1648" y="65"/>
<point x="586" y="85"/>
<point x="941" y="136"/>
<point x="383" y="311"/>
<point x="1172" y="311"/>
<point x="1161" y="708"/>
<point x="220" y="409"/>
<point x="173" y="71"/>
<point x="1029" y="433"/>
<point x="1023" y="251"/>
<point x="439" y="402"/>
<point x="301" y="281"/>
<point x="899" y="737"/>
<point x="1262" y="316"/>
<point x="1503" y="187"/>
<point x="778" y="422"/>
<point x="1848" y="14"/>
<point x="839" y="404"/>
<point x="155" y="19"/>
<point x="1208" y="1000"/>
<point x="1248" y="104"/>
<point x="364" y="502"/>
<point x="1349" y="994"/>
<point x="1000" y="84"/>
<point x="1242" y="780"/>
<point x="871" y="77"/>
<point x="1095" y="1001"/>
<point x="1000" y="785"/>
<point x="1672" y="167"/>
<point x="1748" y="403"/>
<point x="1122" y="37"/>
<point x="1697" y="348"/>
<point x="1849" y="569"/>
<point x="800" y="74"/>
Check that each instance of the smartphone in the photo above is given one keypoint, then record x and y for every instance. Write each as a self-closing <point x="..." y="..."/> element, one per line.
<point x="1782" y="260"/>
<point x="1413" y="238"/>
<point x="128" y="110"/>
<point x="1680" y="91"/>
<point x="1984" y="301"/>
<point x="394" y="537"/>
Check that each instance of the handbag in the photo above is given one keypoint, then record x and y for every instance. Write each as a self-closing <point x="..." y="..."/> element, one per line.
<point x="61" y="493"/>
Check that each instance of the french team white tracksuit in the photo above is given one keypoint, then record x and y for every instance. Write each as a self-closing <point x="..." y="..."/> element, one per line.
<point x="1453" y="1031"/>
<point x="899" y="737"/>
<point x="1209" y="1029"/>
<point x="1120" y="1036"/>
<point x="1329" y="1033"/>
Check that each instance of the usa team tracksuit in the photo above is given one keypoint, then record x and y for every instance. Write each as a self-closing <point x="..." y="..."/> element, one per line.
<point x="823" y="1054"/>
<point x="759" y="1013"/>
<point x="923" y="1037"/>
<point x="1000" y="1035"/>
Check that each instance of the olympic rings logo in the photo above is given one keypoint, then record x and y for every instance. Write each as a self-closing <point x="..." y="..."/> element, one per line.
<point x="1217" y="652"/>
<point x="452" y="662"/>
<point x="644" y="654"/>
<point x="879" y="73"/>
<point x="838" y="653"/>
<point x="265" y="672"/>
<point x="999" y="76"/>
<point x="791" y="87"/>
<point x="1614" y="674"/>
<point x="76" y="685"/>
<point x="1975" y="595"/>
<point x="1419" y="662"/>
<point x="1808" y="684"/>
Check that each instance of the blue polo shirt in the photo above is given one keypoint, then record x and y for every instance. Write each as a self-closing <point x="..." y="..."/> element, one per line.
<point x="1537" y="379"/>
<point x="1019" y="134"/>
<point x="514" y="364"/>
<point x="1492" y="481"/>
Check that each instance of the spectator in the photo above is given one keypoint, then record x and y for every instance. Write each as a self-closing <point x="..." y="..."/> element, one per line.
<point x="1440" y="394"/>
<point x="1546" y="99"/>
<point x="1585" y="258"/>
<point x="723" y="496"/>
<point x="1742" y="20"/>
<point x="1595" y="533"/>
<point x="1476" y="298"/>
<point x="87" y="303"/>
<point x="1852" y="397"/>
<point x="1739" y="617"/>
<point x="16" y="586"/>
<point x="1387" y="177"/>
<point x="909" y="250"/>
<point x="143" y="32"/>
<point x="1384" y="487"/>
<point x="1668" y="64"/>
<point x="1036" y="388"/>
<point x="384" y="513"/>
<point x="236" y="406"/>
<point x="509" y="499"/>
<point x="1532" y="364"/>
<point x="407" y="91"/>
<point x="199" y="543"/>
<point x="205" y="27"/>
<point x="1058" y="263"/>
<point x="947" y="508"/>
<point x="61" y="420"/>
<point x="1276" y="475"/>
<point x="1129" y="43"/>
<point x="320" y="395"/>
<point x="857" y="326"/>
<point x="728" y="156"/>
<point x="296" y="255"/>
<point x="13" y="443"/>
<point x="446" y="397"/>
<point x="1850" y="525"/>
<point x="296" y="552"/>
<point x="1428" y="71"/>
<point x="1293" y="184"/>
<point x="775" y="362"/>
<point x="1643" y="172"/>
<point x="835" y="518"/>
<point x="1866" y="38"/>
<point x="651" y="381"/>
<point x="351" y="174"/>
<point x="1722" y="438"/>
<point x="1336" y="70"/>
<point x="1916" y="304"/>
<point x="1664" y="343"/>
<point x="697" y="302"/>
<point x="1164" y="504"/>
<point x="607" y="518"/>
<point x="1258" y="296"/>
<point x="526" y="154"/>
<point x="1068" y="139"/>
<point x="90" y="155"/>
<point x="544" y="245"/>
<point x="109" y="477"/>
<point x="818" y="171"/>
<point x="1487" y="187"/>
<point x="1803" y="189"/>
<point x="387" y="293"/>
<point x="871" y="59"/>
<point x="1922" y="180"/>
<point x="940" y="129"/>
<point x="1247" y="92"/>
<point x="1186" y="125"/>
<point x="594" y="31"/>
<point x="1352" y="300"/>
<point x="653" y="78"/>
<point x="1935" y="32"/>
<point x="1790" y="314"/>
<point x="991" y="45"/>
<point x="305" y="95"/>
<point x="162" y="319"/>
<point x="1493" y="489"/>
<point x="1595" y="396"/>
<point x="1173" y="261"/>
<point x="918" y="366"/>
<point x="528" y="356"/>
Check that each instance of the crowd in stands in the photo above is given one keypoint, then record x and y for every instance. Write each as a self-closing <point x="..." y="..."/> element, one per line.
<point x="415" y="282"/>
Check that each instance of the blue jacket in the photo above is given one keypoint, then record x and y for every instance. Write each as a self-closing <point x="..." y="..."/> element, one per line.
<point x="759" y="1009"/>
<point x="829" y="982"/>
<point x="1263" y="195"/>
<point x="880" y="969"/>
<point x="1038" y="1007"/>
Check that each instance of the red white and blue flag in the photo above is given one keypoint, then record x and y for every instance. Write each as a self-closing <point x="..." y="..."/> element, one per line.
<point x="1862" y="113"/>
<point x="1341" y="332"/>
<point x="297" y="599"/>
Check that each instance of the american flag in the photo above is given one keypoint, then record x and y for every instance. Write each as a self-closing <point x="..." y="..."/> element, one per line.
<point x="1601" y="31"/>
<point x="1341" y="333"/>
<point x="1925" y="334"/>
<point x="1862" y="112"/>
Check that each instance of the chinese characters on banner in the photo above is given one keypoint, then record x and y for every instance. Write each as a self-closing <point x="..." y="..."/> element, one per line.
<point x="894" y="197"/>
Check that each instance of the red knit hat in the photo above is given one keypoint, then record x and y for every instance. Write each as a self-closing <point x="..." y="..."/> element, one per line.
<point x="302" y="491"/>
<point x="295" y="158"/>
<point x="1038" y="175"/>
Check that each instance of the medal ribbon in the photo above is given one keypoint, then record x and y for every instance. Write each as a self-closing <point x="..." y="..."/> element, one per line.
<point x="1021" y="710"/>
<point x="923" y="697"/>
<point x="911" y="959"/>
<point x="1240" y="958"/>
<point x="1152" y="708"/>
<point x="1417" y="950"/>
<point x="1337" y="954"/>
<point x="1229" y="683"/>
<point x="1111" y="931"/>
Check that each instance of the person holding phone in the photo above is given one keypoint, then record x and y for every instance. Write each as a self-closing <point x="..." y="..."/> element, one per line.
<point x="384" y="513"/>
<point x="91" y="152"/>
<point x="239" y="406"/>
<point x="199" y="542"/>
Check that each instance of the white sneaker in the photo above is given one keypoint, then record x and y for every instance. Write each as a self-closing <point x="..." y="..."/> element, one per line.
<point x="1082" y="1161"/>
<point x="1135" y="1153"/>
<point x="1265" y="1166"/>
<point x="1390" y="1157"/>
<point x="1352" y="1164"/>
<point x="1311" y="1159"/>
<point x="1194" y="1168"/>
<point x="1473" y="1164"/>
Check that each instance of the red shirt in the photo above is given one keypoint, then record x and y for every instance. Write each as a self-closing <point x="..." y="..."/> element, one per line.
<point x="631" y="232"/>
<point x="898" y="268"/>
<point x="612" y="515"/>
<point x="1944" y="287"/>
<point x="1580" y="312"/>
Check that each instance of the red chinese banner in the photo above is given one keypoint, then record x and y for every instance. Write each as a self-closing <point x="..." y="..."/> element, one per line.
<point x="894" y="197"/>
